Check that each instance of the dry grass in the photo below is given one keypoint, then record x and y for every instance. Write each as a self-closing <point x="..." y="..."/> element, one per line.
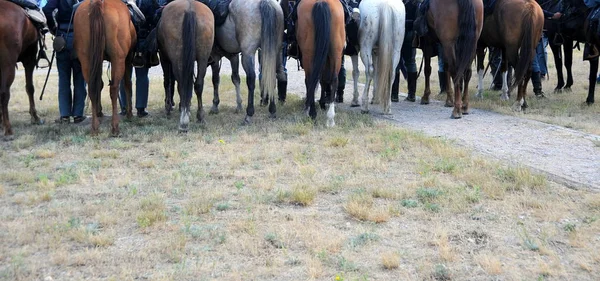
<point x="281" y="199"/>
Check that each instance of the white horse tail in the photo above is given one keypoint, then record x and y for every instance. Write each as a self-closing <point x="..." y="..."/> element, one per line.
<point x="270" y="42"/>
<point x="385" y="53"/>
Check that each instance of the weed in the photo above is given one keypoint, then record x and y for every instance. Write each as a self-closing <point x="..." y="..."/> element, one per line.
<point x="570" y="227"/>
<point x="152" y="209"/>
<point x="363" y="239"/>
<point x="441" y="273"/>
<point x="428" y="195"/>
<point x="409" y="203"/>
<point x="390" y="260"/>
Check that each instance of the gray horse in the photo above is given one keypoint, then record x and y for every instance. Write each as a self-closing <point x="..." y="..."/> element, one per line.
<point x="244" y="32"/>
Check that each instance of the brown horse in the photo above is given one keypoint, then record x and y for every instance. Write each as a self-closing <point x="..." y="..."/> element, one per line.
<point x="321" y="37"/>
<point x="103" y="30"/>
<point x="457" y="24"/>
<point x="18" y="42"/>
<point x="185" y="35"/>
<point x="515" y="27"/>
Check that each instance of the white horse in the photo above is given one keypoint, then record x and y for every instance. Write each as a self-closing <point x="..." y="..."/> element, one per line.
<point x="381" y="28"/>
<point x="250" y="25"/>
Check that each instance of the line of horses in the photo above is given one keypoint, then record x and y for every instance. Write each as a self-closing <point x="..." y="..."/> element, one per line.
<point x="187" y="38"/>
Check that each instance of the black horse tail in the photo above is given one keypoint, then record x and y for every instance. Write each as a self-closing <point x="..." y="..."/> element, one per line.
<point x="188" y="55"/>
<point x="96" y="50"/>
<point x="529" y="41"/>
<point x="270" y="42"/>
<point x="466" y="44"/>
<point x="322" y="23"/>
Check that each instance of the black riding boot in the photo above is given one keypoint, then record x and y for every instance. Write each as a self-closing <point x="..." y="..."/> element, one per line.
<point x="443" y="86"/>
<point x="339" y="93"/>
<point x="412" y="86"/>
<point x="536" y="80"/>
<point x="282" y="90"/>
<point x="396" y="87"/>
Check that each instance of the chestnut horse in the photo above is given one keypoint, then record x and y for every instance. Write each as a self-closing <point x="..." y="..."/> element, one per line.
<point x="103" y="30"/>
<point x="18" y="42"/>
<point x="515" y="27"/>
<point x="185" y="36"/>
<point x="457" y="24"/>
<point x="321" y="37"/>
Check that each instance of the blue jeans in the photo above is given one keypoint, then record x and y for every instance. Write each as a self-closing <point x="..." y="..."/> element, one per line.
<point x="440" y="58"/>
<point x="142" y="83"/>
<point x="69" y="104"/>
<point x="537" y="63"/>
<point x="542" y="55"/>
<point x="408" y="53"/>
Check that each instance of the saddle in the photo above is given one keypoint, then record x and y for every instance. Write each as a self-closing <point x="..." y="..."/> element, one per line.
<point x="219" y="8"/>
<point x="137" y="17"/>
<point x="34" y="13"/>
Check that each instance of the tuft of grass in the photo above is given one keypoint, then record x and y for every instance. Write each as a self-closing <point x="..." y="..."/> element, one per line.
<point x="105" y="154"/>
<point x="360" y="206"/>
<point x="390" y="260"/>
<point x="223" y="206"/>
<point x="274" y="240"/>
<point x="570" y="227"/>
<point x="152" y="209"/>
<point x="428" y="195"/>
<point x="441" y="273"/>
<point x="384" y="193"/>
<point x="338" y="141"/>
<point x="519" y="179"/>
<point x="409" y="203"/>
<point x="363" y="239"/>
<point x="302" y="195"/>
<point x="490" y="264"/>
<point x="44" y="154"/>
<point x="334" y="186"/>
<point x="197" y="206"/>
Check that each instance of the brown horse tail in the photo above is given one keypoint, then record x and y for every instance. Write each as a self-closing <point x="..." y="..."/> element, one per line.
<point x="188" y="56"/>
<point x="387" y="24"/>
<point x="527" y="47"/>
<point x="270" y="41"/>
<point x="321" y="16"/>
<point x="96" y="49"/>
<point x="466" y="44"/>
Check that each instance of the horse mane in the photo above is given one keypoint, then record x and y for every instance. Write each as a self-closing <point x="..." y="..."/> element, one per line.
<point x="96" y="48"/>
<point x="466" y="43"/>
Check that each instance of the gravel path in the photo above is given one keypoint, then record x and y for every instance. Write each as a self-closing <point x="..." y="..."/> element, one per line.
<point x="567" y="156"/>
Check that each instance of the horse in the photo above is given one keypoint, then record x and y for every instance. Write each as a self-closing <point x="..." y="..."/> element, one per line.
<point x="321" y="37"/>
<point x="457" y="25"/>
<point x="244" y="32"/>
<point x="381" y="28"/>
<point x="575" y="13"/>
<point x="185" y="35"/>
<point x="18" y="43"/>
<point x="515" y="27"/>
<point x="103" y="30"/>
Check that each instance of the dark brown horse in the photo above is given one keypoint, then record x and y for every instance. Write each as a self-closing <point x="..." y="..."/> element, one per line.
<point x="103" y="30"/>
<point x="18" y="42"/>
<point x="321" y="37"/>
<point x="457" y="24"/>
<point x="515" y="27"/>
<point x="185" y="36"/>
<point x="575" y="12"/>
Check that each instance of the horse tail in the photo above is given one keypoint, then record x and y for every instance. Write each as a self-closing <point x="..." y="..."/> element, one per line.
<point x="188" y="55"/>
<point x="466" y="43"/>
<point x="270" y="29"/>
<point x="96" y="49"/>
<point x="321" y="16"/>
<point x="527" y="47"/>
<point x="386" y="50"/>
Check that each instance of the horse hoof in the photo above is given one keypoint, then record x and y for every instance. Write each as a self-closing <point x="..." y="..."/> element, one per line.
<point x="364" y="111"/>
<point x="8" y="138"/>
<point x="273" y="116"/>
<point x="100" y="114"/>
<point x="354" y="104"/>
<point x="456" y="116"/>
<point x="281" y="102"/>
<point x="183" y="128"/>
<point x="424" y="101"/>
<point x="247" y="120"/>
<point x="38" y="121"/>
<point x="588" y="102"/>
<point x="114" y="133"/>
<point x="449" y="104"/>
<point x="214" y="110"/>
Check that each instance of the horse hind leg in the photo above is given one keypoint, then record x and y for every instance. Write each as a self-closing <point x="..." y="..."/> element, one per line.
<point x="29" y="67"/>
<point x="367" y="59"/>
<point x="248" y="65"/>
<point x="465" y="94"/>
<point x="480" y="69"/>
<point x="235" y="79"/>
<point x="198" y="88"/>
<point x="355" y="75"/>
<point x="7" y="77"/>
<point x="216" y="79"/>
<point x="168" y="83"/>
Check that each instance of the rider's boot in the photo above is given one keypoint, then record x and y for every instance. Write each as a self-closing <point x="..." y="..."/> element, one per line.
<point x="443" y="82"/>
<point x="412" y="86"/>
<point x="396" y="87"/>
<point x="536" y="80"/>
